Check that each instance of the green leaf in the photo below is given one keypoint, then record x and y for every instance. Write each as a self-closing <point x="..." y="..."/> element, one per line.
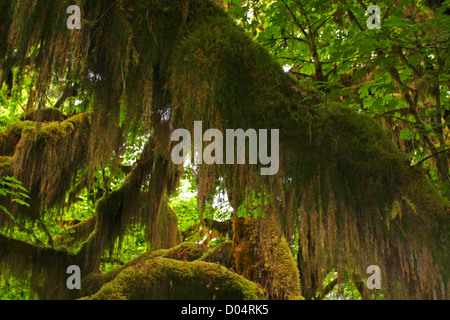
<point x="405" y="134"/>
<point x="21" y="202"/>
<point x="7" y="212"/>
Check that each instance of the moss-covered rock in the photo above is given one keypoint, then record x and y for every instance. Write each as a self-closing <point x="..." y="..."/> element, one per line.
<point x="167" y="279"/>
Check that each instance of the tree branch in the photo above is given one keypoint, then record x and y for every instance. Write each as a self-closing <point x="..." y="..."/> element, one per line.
<point x="328" y="288"/>
<point x="433" y="155"/>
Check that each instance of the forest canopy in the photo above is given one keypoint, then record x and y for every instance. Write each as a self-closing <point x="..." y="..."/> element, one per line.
<point x="92" y="91"/>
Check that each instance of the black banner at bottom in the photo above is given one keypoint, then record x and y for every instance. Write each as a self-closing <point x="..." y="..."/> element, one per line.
<point x="224" y="309"/>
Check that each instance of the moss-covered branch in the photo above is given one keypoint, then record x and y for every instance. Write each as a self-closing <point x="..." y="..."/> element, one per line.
<point x="186" y="251"/>
<point x="46" y="266"/>
<point x="79" y="232"/>
<point x="167" y="279"/>
<point x="45" y="157"/>
<point x="175" y="273"/>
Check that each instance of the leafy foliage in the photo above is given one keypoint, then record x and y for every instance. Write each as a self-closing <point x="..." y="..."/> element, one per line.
<point x="9" y="186"/>
<point x="399" y="74"/>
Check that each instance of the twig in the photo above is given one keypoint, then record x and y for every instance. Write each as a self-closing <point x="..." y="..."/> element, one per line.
<point x="433" y="155"/>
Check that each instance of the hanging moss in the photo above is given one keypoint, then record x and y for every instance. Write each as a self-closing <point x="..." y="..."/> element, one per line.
<point x="166" y="279"/>
<point x="217" y="70"/>
<point x="208" y="230"/>
<point x="79" y="232"/>
<point x="46" y="266"/>
<point x="10" y="138"/>
<point x="347" y="185"/>
<point x="46" y="159"/>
